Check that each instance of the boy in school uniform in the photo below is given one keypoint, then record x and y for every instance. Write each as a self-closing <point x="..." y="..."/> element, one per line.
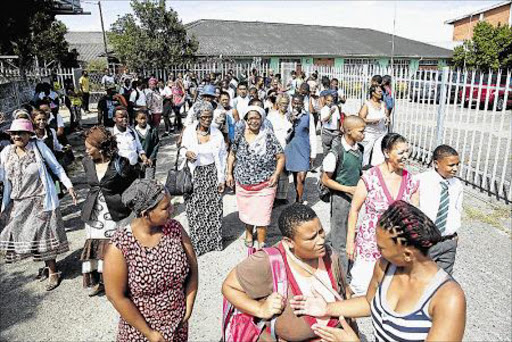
<point x="441" y="200"/>
<point x="342" y="168"/>
<point x="148" y="137"/>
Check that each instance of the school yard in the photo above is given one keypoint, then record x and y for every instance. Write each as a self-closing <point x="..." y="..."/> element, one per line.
<point x="28" y="313"/>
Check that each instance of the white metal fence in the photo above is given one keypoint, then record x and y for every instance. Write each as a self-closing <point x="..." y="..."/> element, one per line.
<point x="468" y="110"/>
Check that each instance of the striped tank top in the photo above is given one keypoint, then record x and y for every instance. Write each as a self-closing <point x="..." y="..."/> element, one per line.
<point x="414" y="326"/>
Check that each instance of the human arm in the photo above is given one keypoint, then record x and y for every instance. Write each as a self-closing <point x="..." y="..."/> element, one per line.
<point x="193" y="277"/>
<point x="448" y="312"/>
<point x="312" y="137"/>
<point x="236" y="115"/>
<point x="141" y="152"/>
<point x="326" y="113"/>
<point x="156" y="144"/>
<point x="231" y="162"/>
<point x="115" y="276"/>
<point x="274" y="179"/>
<point x="60" y="124"/>
<point x="333" y="185"/>
<point x="355" y="206"/>
<point x="56" y="144"/>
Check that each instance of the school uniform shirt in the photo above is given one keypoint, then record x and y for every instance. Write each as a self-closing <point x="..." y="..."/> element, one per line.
<point x="281" y="125"/>
<point x="58" y="118"/>
<point x="329" y="162"/>
<point x="332" y="123"/>
<point x="128" y="144"/>
<point x="430" y="193"/>
<point x="240" y="104"/>
<point x="142" y="101"/>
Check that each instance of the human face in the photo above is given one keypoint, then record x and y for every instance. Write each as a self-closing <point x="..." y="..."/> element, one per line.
<point x="389" y="249"/>
<point x="308" y="242"/>
<point x="224" y="101"/>
<point x="447" y="167"/>
<point x="297" y="104"/>
<point x="142" y="120"/>
<point x="92" y="151"/>
<point x="242" y="91"/>
<point x="356" y="133"/>
<point x="283" y="105"/>
<point x="253" y="93"/>
<point x="205" y="119"/>
<point x="377" y="94"/>
<point x="208" y="98"/>
<point x="121" y="120"/>
<point x="45" y="108"/>
<point x="41" y="121"/>
<point x="334" y="84"/>
<point x="254" y="121"/>
<point x="160" y="214"/>
<point x="274" y="84"/>
<point x="303" y="91"/>
<point x="398" y="155"/>
<point x="329" y="101"/>
<point x="20" y="138"/>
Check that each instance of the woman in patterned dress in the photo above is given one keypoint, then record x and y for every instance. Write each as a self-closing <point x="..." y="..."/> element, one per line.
<point x="151" y="274"/>
<point x="378" y="188"/>
<point x="108" y="176"/>
<point x="259" y="162"/>
<point x="205" y="150"/>
<point x="30" y="219"/>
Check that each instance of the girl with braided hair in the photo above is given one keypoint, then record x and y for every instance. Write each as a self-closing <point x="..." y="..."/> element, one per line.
<point x="409" y="298"/>
<point x="107" y="175"/>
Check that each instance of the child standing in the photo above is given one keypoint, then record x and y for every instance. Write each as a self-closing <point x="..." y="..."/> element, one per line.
<point x="148" y="137"/>
<point x="341" y="172"/>
<point x="441" y="200"/>
<point x="330" y="117"/>
<point x="76" y="109"/>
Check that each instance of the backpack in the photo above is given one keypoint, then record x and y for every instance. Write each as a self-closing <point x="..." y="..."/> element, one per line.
<point x="324" y="193"/>
<point x="241" y="327"/>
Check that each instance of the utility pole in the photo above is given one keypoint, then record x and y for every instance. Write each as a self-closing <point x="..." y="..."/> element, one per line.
<point x="103" y="31"/>
<point x="393" y="37"/>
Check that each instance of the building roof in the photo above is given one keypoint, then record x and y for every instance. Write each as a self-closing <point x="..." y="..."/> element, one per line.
<point x="89" y="45"/>
<point x="248" y="39"/>
<point x="67" y="7"/>
<point x="475" y="13"/>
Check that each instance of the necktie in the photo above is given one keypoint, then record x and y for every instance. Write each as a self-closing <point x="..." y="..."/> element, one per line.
<point x="442" y="212"/>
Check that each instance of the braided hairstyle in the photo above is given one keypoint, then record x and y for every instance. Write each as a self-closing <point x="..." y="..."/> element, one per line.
<point x="410" y="226"/>
<point x="293" y="216"/>
<point x="102" y="139"/>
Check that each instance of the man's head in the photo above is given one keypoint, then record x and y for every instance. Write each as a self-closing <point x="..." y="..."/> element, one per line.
<point x="353" y="126"/>
<point x="446" y="161"/>
<point x="141" y="116"/>
<point x="121" y="118"/>
<point x="329" y="100"/>
<point x="224" y="99"/>
<point x="298" y="103"/>
<point x="242" y="89"/>
<point x="253" y="93"/>
<point x="293" y="74"/>
<point x="304" y="89"/>
<point x="376" y="80"/>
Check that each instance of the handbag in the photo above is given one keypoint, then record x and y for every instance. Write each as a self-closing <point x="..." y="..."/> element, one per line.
<point x="179" y="182"/>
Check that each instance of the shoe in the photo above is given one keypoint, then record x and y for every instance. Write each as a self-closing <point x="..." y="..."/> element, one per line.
<point x="165" y="134"/>
<point x="249" y="243"/>
<point x="280" y="201"/>
<point x="96" y="290"/>
<point x="261" y="245"/>
<point x="42" y="273"/>
<point x="53" y="281"/>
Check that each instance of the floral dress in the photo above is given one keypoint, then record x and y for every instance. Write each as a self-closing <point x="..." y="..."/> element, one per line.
<point x="156" y="283"/>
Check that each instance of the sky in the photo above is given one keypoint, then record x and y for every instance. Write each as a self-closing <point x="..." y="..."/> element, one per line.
<point x="418" y="20"/>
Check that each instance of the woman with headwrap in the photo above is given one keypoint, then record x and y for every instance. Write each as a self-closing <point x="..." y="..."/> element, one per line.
<point x="203" y="146"/>
<point x="259" y="162"/>
<point x="108" y="176"/>
<point x="151" y="274"/>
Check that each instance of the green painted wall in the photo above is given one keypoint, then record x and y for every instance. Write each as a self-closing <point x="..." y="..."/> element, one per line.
<point x="306" y="61"/>
<point x="274" y="64"/>
<point x="441" y="63"/>
<point x="383" y="62"/>
<point x="339" y="62"/>
<point x="414" y="65"/>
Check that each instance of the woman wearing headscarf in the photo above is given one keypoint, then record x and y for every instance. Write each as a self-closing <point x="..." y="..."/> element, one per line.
<point x="30" y="216"/>
<point x="204" y="147"/>
<point x="259" y="162"/>
<point x="151" y="274"/>
<point x="108" y="176"/>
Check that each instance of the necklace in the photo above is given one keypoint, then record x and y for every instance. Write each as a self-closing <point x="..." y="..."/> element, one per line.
<point x="203" y="133"/>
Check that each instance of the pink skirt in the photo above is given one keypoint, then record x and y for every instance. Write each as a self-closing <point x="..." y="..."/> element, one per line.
<point x="255" y="203"/>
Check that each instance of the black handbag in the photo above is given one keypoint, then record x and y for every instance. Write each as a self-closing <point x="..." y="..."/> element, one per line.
<point x="179" y="182"/>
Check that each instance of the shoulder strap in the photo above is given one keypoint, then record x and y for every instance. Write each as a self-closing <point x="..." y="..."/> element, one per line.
<point x="279" y="278"/>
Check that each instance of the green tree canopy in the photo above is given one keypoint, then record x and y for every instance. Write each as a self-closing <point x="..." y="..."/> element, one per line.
<point x="30" y="31"/>
<point x="151" y="37"/>
<point x="490" y="47"/>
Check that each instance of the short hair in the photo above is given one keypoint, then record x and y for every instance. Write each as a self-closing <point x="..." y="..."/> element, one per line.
<point x="326" y="82"/>
<point x="258" y="78"/>
<point x="292" y="217"/>
<point x="377" y="79"/>
<point x="373" y="88"/>
<point x="335" y="79"/>
<point x="293" y="72"/>
<point x="141" y="111"/>
<point x="390" y="140"/>
<point x="304" y="86"/>
<point x="224" y="93"/>
<point x="443" y="151"/>
<point x="36" y="112"/>
<point x="386" y="80"/>
<point x="203" y="106"/>
<point x="120" y="109"/>
<point x="253" y="89"/>
<point x="243" y="83"/>
<point x="298" y="96"/>
<point x="410" y="226"/>
<point x="255" y="102"/>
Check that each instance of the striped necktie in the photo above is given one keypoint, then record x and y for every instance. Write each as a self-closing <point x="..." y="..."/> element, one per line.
<point x="442" y="212"/>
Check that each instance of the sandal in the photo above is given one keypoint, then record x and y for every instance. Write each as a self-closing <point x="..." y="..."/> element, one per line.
<point x="249" y="243"/>
<point x="53" y="281"/>
<point x="97" y="289"/>
<point x="42" y="273"/>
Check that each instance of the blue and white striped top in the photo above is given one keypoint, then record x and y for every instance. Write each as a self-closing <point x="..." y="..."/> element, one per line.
<point x="414" y="326"/>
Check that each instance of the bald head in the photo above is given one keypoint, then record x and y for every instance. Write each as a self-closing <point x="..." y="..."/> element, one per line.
<point x="351" y="122"/>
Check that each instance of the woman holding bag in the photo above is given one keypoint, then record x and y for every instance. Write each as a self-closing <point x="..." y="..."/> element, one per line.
<point x="205" y="150"/>
<point x="259" y="162"/>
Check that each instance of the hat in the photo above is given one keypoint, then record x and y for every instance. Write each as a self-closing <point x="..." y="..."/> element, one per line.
<point x="258" y="109"/>
<point x="209" y="90"/>
<point x="152" y="80"/>
<point x="21" y="125"/>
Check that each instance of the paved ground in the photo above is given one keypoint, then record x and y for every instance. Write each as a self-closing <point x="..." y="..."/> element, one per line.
<point x="28" y="313"/>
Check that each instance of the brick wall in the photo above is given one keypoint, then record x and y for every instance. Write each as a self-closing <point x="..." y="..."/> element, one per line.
<point x="463" y="29"/>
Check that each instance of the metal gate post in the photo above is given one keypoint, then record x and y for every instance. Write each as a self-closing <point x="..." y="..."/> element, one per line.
<point x="441" y="109"/>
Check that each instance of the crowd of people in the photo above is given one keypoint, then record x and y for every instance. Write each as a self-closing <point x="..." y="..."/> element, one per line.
<point x="392" y="261"/>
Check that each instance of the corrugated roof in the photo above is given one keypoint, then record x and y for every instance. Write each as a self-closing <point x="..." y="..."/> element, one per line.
<point x="475" y="13"/>
<point x="245" y="38"/>
<point x="89" y="45"/>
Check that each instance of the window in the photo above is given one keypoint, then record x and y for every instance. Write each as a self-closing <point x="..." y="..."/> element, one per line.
<point x="360" y="61"/>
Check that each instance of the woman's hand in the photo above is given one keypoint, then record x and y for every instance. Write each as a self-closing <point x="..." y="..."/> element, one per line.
<point x="315" y="306"/>
<point x="230" y="182"/>
<point x="155" y="336"/>
<point x="328" y="334"/>
<point x="191" y="156"/>
<point x="72" y="193"/>
<point x="221" y="187"/>
<point x="351" y="250"/>
<point x="273" y="305"/>
<point x="273" y="180"/>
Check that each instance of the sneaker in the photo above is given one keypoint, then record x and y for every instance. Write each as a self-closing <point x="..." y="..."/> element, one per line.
<point x="165" y="134"/>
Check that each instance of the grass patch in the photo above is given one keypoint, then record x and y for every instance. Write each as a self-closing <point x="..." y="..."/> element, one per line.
<point x="495" y="218"/>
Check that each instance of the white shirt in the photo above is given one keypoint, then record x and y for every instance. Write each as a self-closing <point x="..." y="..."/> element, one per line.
<point x="107" y="79"/>
<point x="128" y="144"/>
<point x="240" y="104"/>
<point x="332" y="123"/>
<point x="430" y="192"/>
<point x="56" y="144"/>
<point x="281" y="126"/>
<point x="142" y="101"/>
<point x="329" y="163"/>
<point x="60" y="120"/>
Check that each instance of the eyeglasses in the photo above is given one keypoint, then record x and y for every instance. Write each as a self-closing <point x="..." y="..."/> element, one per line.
<point x="206" y="118"/>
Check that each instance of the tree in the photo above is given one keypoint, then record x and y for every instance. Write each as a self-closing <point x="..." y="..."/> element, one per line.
<point x="97" y="65"/>
<point x="490" y="48"/>
<point x="151" y="37"/>
<point x="31" y="32"/>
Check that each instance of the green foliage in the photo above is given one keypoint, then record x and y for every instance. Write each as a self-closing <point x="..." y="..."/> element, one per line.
<point x="30" y="31"/>
<point x="97" y="65"/>
<point x="153" y="37"/>
<point x="490" y="48"/>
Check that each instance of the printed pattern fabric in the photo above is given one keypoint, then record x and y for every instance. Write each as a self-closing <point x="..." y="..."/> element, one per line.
<point x="376" y="202"/>
<point x="251" y="168"/>
<point x="156" y="283"/>
<point x="204" y="211"/>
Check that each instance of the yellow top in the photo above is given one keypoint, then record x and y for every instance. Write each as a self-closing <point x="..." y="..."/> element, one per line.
<point x="84" y="83"/>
